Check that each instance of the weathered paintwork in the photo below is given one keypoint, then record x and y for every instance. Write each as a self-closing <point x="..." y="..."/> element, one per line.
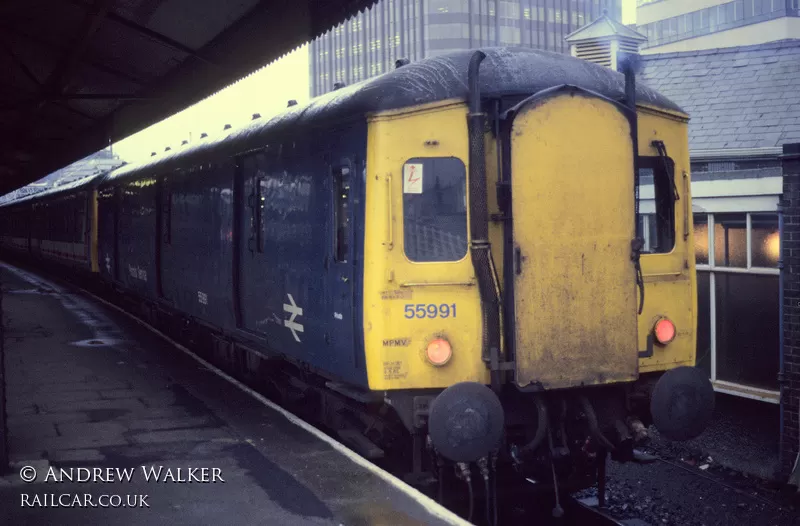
<point x="395" y="345"/>
<point x="196" y="241"/>
<point x="286" y="261"/>
<point x="670" y="279"/>
<point x="574" y="285"/>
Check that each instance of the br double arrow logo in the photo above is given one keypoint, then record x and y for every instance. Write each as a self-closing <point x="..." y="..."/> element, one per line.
<point x="295" y="311"/>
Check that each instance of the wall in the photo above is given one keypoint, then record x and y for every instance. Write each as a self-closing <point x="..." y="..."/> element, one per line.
<point x="791" y="306"/>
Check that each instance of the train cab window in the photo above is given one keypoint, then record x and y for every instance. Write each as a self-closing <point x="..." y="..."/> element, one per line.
<point x="341" y="213"/>
<point x="435" y="209"/>
<point x="656" y="224"/>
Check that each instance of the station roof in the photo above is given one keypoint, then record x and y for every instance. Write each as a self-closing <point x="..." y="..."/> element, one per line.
<point x="736" y="98"/>
<point x="78" y="74"/>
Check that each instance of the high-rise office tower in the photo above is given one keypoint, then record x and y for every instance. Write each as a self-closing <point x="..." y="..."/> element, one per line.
<point x="690" y="25"/>
<point x="370" y="43"/>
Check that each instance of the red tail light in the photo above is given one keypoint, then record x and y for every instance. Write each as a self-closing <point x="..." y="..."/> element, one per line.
<point x="439" y="352"/>
<point x="664" y="331"/>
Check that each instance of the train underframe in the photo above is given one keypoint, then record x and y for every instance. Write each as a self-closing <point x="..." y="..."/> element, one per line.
<point x="555" y="438"/>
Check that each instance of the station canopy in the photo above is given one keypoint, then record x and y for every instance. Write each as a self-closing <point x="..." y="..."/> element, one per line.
<point x="80" y="74"/>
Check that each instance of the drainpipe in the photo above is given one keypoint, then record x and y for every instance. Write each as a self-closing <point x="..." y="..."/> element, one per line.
<point x="479" y="222"/>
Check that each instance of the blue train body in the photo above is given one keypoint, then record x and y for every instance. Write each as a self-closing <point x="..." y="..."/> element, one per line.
<point x="241" y="242"/>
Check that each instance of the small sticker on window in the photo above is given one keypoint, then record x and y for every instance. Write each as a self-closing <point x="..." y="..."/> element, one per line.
<point x="412" y="178"/>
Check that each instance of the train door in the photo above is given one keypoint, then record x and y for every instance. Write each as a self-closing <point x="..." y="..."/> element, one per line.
<point x="107" y="239"/>
<point x="574" y="283"/>
<point x="340" y="264"/>
<point x="251" y="280"/>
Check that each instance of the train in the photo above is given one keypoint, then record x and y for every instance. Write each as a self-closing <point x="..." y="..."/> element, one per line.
<point x="447" y="262"/>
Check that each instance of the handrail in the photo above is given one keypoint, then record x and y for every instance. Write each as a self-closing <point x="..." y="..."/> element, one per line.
<point x="390" y="242"/>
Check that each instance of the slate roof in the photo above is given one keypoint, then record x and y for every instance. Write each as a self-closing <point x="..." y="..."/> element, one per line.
<point x="742" y="97"/>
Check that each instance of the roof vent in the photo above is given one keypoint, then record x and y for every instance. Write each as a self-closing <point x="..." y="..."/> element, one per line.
<point x="338" y="85"/>
<point x="203" y="135"/>
<point x="601" y="41"/>
<point x="256" y="116"/>
<point x="152" y="154"/>
<point x="184" y="142"/>
<point x="400" y="62"/>
<point x="227" y="127"/>
<point x="167" y="149"/>
<point x="291" y="103"/>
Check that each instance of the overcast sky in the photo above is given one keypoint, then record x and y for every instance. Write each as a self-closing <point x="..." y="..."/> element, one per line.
<point x="266" y="92"/>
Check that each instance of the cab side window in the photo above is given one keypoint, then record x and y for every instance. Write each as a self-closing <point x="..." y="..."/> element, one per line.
<point x="435" y="209"/>
<point x="656" y="224"/>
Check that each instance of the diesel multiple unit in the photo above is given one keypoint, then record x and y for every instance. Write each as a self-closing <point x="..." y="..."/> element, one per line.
<point x="443" y="261"/>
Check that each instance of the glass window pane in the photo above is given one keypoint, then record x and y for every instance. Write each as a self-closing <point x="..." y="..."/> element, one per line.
<point x="341" y="198"/>
<point x="764" y="240"/>
<point x="747" y="329"/>
<point x="701" y="238"/>
<point x="656" y="179"/>
<point x="730" y="240"/>
<point x="703" y="323"/>
<point x="435" y="209"/>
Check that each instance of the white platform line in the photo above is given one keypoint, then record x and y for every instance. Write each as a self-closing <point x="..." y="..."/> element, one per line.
<point x="430" y="505"/>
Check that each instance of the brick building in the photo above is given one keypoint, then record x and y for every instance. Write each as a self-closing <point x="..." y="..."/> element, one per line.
<point x="791" y="305"/>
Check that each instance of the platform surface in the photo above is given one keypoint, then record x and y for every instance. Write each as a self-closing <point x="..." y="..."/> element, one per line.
<point x="90" y="388"/>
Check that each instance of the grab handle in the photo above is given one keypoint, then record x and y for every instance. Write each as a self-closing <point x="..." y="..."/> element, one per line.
<point x="685" y="205"/>
<point x="390" y="242"/>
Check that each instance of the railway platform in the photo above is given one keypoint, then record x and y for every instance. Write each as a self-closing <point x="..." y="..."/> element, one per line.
<point x="113" y="425"/>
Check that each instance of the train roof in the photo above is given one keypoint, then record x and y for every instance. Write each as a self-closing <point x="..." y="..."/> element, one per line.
<point x="72" y="185"/>
<point x="504" y="72"/>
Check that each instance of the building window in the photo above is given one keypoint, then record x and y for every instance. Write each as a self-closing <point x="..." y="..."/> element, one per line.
<point x="738" y="301"/>
<point x="435" y="209"/>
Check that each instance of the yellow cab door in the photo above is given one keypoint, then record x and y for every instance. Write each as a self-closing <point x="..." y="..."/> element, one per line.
<point x="574" y="286"/>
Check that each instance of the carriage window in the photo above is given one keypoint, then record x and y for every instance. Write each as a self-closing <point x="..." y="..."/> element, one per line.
<point x="341" y="212"/>
<point x="435" y="209"/>
<point x="656" y="223"/>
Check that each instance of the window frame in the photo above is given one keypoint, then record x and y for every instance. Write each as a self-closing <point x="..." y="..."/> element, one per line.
<point x="341" y="173"/>
<point x="723" y="386"/>
<point x="466" y="209"/>
<point x="655" y="163"/>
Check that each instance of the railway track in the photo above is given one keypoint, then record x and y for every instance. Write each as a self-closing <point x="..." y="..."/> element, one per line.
<point x="519" y="502"/>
